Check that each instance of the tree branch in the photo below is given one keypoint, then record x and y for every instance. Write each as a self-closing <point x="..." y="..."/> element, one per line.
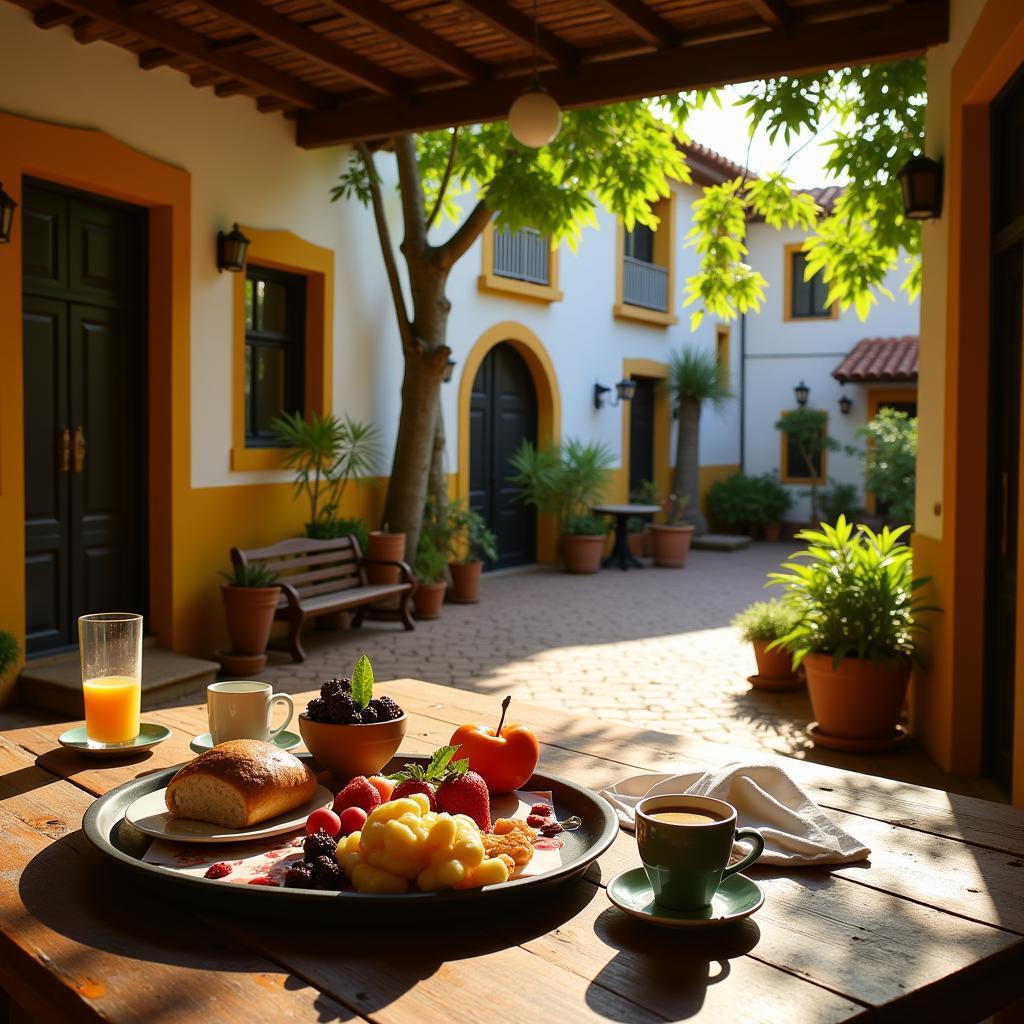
<point x="411" y="187"/>
<point x="446" y="178"/>
<point x="387" y="250"/>
<point x="469" y="231"/>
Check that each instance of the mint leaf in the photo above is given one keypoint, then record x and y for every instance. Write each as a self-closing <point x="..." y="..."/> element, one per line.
<point x="460" y="767"/>
<point x="362" y="682"/>
<point x="439" y="761"/>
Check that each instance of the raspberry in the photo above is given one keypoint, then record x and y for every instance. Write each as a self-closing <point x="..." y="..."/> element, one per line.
<point x="265" y="880"/>
<point x="537" y="820"/>
<point x="542" y="809"/>
<point x="218" y="870"/>
<point x="387" y="709"/>
<point x="327" y="874"/>
<point x="416" y="786"/>
<point x="369" y="715"/>
<point x="319" y="844"/>
<point x="299" y="876"/>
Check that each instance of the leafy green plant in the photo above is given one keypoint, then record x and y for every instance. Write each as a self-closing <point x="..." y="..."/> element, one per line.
<point x="645" y="493"/>
<point x="431" y="561"/>
<point x="9" y="651"/>
<point x="808" y="430"/>
<point x="855" y="595"/>
<point x="741" y="502"/>
<point x="890" y="462"/>
<point x="362" y="682"/>
<point x="469" y="539"/>
<point x="634" y="524"/>
<point x="564" y="479"/>
<point x="324" y="453"/>
<point x="585" y="525"/>
<point x="775" y="500"/>
<point x="675" y="506"/>
<point x="765" y="621"/>
<point x="252" y="574"/>
<point x="329" y="529"/>
<point x="840" y="500"/>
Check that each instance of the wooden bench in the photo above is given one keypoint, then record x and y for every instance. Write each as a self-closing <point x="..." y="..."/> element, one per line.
<point x="318" y="577"/>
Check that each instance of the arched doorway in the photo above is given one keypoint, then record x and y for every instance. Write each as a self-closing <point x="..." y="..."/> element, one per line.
<point x="502" y="414"/>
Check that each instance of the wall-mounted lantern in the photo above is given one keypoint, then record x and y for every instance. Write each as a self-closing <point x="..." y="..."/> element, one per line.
<point x="802" y="393"/>
<point x="231" y="250"/>
<point x="624" y="392"/>
<point x="7" y="208"/>
<point x="921" y="181"/>
<point x="845" y="404"/>
<point x="448" y="371"/>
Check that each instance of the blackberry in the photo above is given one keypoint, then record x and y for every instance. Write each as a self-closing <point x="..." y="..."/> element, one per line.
<point x="319" y="844"/>
<point x="331" y="686"/>
<point x="387" y="709"/>
<point x="299" y="876"/>
<point x="341" y="708"/>
<point x="369" y="715"/>
<point x="316" y="711"/>
<point x="327" y="874"/>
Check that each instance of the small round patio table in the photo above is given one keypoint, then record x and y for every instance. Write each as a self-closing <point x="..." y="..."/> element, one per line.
<point x="622" y="513"/>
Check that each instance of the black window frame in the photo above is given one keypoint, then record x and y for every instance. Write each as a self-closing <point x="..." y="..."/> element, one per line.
<point x="812" y="294"/>
<point x="292" y="342"/>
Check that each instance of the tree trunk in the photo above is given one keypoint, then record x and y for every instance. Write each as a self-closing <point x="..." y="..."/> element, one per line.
<point x="687" y="475"/>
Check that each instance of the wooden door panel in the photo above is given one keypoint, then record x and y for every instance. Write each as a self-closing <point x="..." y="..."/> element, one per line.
<point x="44" y="250"/>
<point x="99" y="259"/>
<point x="641" y="434"/>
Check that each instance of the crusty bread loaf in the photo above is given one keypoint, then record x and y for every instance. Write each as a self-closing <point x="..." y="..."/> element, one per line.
<point x="240" y="783"/>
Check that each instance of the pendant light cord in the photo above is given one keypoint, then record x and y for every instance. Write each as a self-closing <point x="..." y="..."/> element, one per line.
<point x="536" y="76"/>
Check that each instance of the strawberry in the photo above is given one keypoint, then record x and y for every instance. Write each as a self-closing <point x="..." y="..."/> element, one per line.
<point x="466" y="793"/>
<point x="410" y="786"/>
<point x="360" y="792"/>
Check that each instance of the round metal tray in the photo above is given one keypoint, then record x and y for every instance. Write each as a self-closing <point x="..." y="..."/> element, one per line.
<point x="107" y="830"/>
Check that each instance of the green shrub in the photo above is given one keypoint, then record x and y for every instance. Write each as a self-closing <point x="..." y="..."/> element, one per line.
<point x="645" y="493"/>
<point x="330" y="529"/>
<point x="634" y="524"/>
<point x="469" y="540"/>
<point x="854" y="593"/>
<point x="740" y="502"/>
<point x="564" y="479"/>
<point x="9" y="651"/>
<point x="586" y="526"/>
<point x="431" y="561"/>
<point x="765" y="621"/>
<point x="890" y="462"/>
<point x="253" y="574"/>
<point x="839" y="500"/>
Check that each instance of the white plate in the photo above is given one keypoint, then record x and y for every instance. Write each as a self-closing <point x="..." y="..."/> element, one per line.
<point x="149" y="814"/>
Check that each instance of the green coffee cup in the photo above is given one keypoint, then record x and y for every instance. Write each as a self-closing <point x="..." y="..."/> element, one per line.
<point x="685" y="843"/>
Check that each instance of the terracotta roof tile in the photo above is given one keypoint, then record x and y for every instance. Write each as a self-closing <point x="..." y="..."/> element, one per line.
<point x="879" y="359"/>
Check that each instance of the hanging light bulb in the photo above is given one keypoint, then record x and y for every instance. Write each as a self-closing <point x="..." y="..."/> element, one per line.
<point x="535" y="118"/>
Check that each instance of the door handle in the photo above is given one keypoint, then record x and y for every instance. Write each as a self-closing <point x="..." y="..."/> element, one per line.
<point x="79" y="449"/>
<point x="64" y="451"/>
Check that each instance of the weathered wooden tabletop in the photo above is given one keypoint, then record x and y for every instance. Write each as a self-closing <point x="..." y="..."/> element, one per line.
<point x="932" y="928"/>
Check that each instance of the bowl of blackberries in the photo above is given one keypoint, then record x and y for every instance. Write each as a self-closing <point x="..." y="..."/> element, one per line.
<point x="349" y="730"/>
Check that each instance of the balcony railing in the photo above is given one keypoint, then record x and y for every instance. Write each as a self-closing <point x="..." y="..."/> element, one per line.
<point x="644" y="284"/>
<point x="523" y="255"/>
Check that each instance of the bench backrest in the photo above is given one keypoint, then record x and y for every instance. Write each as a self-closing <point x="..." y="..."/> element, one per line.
<point x="310" y="566"/>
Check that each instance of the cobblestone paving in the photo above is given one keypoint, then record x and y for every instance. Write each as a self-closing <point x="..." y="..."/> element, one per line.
<point x="651" y="647"/>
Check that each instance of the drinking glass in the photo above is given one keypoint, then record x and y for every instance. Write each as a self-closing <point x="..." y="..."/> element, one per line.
<point x="110" y="644"/>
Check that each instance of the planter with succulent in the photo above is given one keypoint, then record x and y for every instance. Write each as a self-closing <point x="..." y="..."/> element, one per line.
<point x="670" y="541"/>
<point x="470" y="544"/>
<point x="857" y="608"/>
<point x="567" y="480"/>
<point x="9" y="655"/>
<point x="250" y="597"/>
<point x="762" y="624"/>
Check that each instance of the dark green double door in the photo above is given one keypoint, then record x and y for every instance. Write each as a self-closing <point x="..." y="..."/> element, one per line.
<point x="84" y="353"/>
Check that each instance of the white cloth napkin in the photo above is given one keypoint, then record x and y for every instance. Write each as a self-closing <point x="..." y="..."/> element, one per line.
<point x="796" y="831"/>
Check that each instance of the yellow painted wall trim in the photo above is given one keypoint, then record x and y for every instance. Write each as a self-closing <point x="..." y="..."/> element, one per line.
<point x="497" y="284"/>
<point x="723" y="338"/>
<point x="285" y="251"/>
<point x="664" y="256"/>
<point x="549" y="409"/>
<point x="657" y="371"/>
<point x="790" y="250"/>
<point x="624" y="311"/>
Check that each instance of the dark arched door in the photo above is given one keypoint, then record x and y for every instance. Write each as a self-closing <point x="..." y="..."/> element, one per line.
<point x="503" y="413"/>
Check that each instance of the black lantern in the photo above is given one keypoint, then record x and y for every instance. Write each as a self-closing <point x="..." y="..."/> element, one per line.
<point x="448" y="371"/>
<point x="624" y="392"/>
<point x="845" y="404"/>
<point x="802" y="392"/>
<point x="231" y="250"/>
<point x="921" y="180"/>
<point x="7" y="208"/>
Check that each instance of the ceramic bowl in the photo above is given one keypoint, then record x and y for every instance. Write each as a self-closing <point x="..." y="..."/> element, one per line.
<point x="347" y="750"/>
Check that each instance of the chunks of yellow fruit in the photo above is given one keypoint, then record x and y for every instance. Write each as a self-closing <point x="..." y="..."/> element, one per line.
<point x="403" y="841"/>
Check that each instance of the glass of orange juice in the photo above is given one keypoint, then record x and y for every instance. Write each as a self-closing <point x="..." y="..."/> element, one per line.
<point x="110" y="644"/>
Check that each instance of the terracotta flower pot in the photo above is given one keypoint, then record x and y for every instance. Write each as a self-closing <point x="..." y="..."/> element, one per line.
<point x="773" y="532"/>
<point x="582" y="553"/>
<point x="347" y="750"/>
<point x="671" y="545"/>
<point x="858" y="700"/>
<point x="636" y="544"/>
<point x="389" y="547"/>
<point x="250" y="614"/>
<point x="465" y="582"/>
<point x="241" y="666"/>
<point x="776" y="664"/>
<point x="428" y="598"/>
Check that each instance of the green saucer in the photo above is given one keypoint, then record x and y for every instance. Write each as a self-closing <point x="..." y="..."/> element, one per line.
<point x="737" y="897"/>
<point x="284" y="739"/>
<point x="149" y="736"/>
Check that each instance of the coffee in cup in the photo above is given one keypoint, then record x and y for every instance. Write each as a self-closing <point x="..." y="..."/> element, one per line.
<point x="685" y="843"/>
<point x="241" y="710"/>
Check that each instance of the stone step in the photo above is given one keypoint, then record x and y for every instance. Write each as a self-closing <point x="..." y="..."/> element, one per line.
<point x="721" y="542"/>
<point x="56" y="683"/>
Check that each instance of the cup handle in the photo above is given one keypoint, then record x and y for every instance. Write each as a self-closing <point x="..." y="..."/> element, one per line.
<point x="757" y="839"/>
<point x="285" y="699"/>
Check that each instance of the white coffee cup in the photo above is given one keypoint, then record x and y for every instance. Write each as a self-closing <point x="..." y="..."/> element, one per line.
<point x="241" y="710"/>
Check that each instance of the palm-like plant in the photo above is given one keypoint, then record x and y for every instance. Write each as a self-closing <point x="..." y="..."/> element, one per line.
<point x="695" y="378"/>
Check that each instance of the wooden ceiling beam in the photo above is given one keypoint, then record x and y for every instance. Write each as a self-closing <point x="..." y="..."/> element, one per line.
<point x="776" y="13"/>
<point x="291" y="35"/>
<point x="803" y="48"/>
<point x="52" y="15"/>
<point x="413" y="36"/>
<point x="159" y="32"/>
<point x="507" y="20"/>
<point x="641" y="20"/>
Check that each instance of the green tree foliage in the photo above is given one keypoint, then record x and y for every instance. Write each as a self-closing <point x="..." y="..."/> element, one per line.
<point x="808" y="430"/>
<point x="890" y="462"/>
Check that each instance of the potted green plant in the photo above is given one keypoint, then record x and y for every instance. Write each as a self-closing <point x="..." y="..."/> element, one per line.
<point x="567" y="480"/>
<point x="670" y="541"/>
<point x="470" y="544"/>
<point x="9" y="654"/>
<point x="250" y="597"/>
<point x="773" y="501"/>
<point x="857" y="605"/>
<point x="431" y="563"/>
<point x="761" y="624"/>
<point x="645" y="493"/>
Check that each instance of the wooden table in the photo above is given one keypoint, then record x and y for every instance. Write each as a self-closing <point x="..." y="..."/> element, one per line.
<point x="931" y="929"/>
<point x="620" y="553"/>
